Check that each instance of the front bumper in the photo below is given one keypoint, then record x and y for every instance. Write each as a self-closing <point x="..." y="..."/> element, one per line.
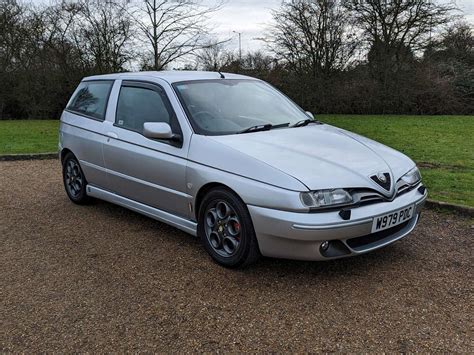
<point x="292" y="235"/>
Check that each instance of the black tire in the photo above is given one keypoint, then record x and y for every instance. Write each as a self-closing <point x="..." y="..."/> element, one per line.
<point x="247" y="251"/>
<point x="74" y="182"/>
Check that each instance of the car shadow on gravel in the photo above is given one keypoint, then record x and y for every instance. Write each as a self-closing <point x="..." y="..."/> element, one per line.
<point x="266" y="267"/>
<point x="352" y="266"/>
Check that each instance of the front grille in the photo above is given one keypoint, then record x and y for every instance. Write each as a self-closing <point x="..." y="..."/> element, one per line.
<point x="356" y="243"/>
<point x="364" y="197"/>
<point x="368" y="197"/>
<point x="403" y="187"/>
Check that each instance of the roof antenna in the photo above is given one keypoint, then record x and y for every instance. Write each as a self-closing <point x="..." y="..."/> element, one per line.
<point x="222" y="75"/>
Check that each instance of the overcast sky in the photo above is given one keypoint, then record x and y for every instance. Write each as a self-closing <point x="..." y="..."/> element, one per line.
<point x="251" y="16"/>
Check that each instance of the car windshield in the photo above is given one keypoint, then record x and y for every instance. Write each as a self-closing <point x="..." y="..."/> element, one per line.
<point x="228" y="106"/>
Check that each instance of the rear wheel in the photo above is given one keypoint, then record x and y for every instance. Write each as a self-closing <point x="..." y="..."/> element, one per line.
<point x="74" y="180"/>
<point x="226" y="229"/>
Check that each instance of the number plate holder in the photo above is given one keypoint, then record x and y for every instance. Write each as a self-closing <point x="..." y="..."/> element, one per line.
<point x="392" y="219"/>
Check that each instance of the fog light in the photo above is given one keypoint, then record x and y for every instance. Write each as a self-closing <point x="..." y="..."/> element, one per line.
<point x="324" y="246"/>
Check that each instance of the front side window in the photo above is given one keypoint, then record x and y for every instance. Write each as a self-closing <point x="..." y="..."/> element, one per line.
<point x="228" y="106"/>
<point x="91" y="99"/>
<point x="137" y="105"/>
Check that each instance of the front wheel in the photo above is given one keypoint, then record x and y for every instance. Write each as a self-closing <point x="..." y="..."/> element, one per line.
<point x="74" y="180"/>
<point x="226" y="229"/>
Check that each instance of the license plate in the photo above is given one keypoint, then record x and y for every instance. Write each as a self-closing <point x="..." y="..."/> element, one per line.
<point x="392" y="219"/>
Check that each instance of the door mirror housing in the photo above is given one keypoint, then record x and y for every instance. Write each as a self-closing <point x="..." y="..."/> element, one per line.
<point x="159" y="130"/>
<point x="309" y="114"/>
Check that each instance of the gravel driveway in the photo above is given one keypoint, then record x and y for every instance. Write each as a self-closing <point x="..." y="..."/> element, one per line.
<point x="103" y="278"/>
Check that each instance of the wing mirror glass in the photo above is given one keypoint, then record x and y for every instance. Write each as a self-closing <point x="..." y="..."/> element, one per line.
<point x="159" y="130"/>
<point x="309" y="114"/>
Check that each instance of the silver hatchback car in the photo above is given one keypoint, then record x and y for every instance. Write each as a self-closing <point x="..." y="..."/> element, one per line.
<point x="230" y="159"/>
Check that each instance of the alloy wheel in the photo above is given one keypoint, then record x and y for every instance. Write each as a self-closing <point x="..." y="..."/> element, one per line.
<point x="222" y="226"/>
<point x="73" y="177"/>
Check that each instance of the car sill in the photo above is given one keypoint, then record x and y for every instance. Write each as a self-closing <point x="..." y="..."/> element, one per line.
<point x="162" y="216"/>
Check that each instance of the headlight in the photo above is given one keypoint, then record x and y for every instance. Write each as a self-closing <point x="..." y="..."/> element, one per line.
<point x="413" y="177"/>
<point x="326" y="198"/>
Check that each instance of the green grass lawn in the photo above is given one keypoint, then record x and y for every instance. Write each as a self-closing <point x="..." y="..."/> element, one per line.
<point x="32" y="136"/>
<point x="443" y="146"/>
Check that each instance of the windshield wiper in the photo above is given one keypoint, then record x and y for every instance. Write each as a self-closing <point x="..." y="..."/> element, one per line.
<point x="305" y="122"/>
<point x="263" y="127"/>
<point x="257" y="128"/>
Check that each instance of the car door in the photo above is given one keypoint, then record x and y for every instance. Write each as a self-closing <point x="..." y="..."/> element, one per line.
<point x="146" y="170"/>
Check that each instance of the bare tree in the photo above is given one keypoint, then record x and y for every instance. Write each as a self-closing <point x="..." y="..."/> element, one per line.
<point x="394" y="32"/>
<point x="11" y="32"/>
<point x="258" y="61"/>
<point x="12" y="38"/>
<point x="107" y="33"/>
<point x="453" y="59"/>
<point x="173" y="29"/>
<point x="63" y="37"/>
<point x="312" y="34"/>
<point x="457" y="42"/>
<point x="213" y="57"/>
<point x="397" y="25"/>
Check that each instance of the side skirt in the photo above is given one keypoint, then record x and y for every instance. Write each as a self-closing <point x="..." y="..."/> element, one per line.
<point x="162" y="216"/>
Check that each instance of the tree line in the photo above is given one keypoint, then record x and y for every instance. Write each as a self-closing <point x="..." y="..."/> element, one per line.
<point x="330" y="56"/>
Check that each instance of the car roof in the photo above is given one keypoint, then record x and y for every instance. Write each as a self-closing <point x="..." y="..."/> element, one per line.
<point x="171" y="76"/>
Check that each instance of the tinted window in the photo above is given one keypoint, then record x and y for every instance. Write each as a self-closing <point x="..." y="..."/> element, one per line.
<point x="91" y="98"/>
<point x="137" y="105"/>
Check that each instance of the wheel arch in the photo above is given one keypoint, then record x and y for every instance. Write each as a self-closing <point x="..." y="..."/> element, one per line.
<point x="253" y="248"/>
<point x="204" y="190"/>
<point x="64" y="152"/>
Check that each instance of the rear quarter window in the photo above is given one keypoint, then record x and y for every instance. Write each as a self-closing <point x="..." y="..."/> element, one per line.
<point x="90" y="99"/>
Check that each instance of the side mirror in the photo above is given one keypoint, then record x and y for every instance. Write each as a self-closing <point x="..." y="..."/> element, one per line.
<point x="159" y="130"/>
<point x="309" y="114"/>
